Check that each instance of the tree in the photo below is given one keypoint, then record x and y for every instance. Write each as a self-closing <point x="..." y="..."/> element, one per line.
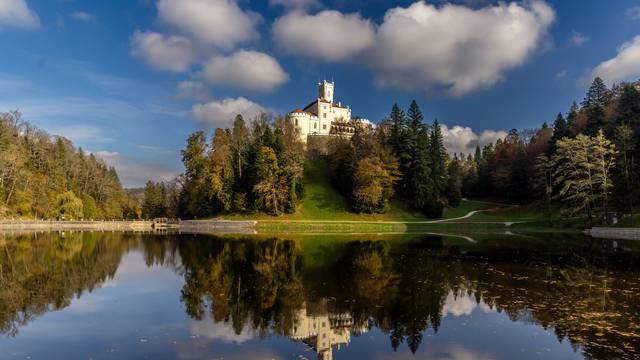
<point x="627" y="178"/>
<point x="438" y="158"/>
<point x="154" y="202"/>
<point x="582" y="173"/>
<point x="221" y="173"/>
<point x="89" y="210"/>
<point x="543" y="180"/>
<point x="195" y="189"/>
<point x="560" y="131"/>
<point x="268" y="189"/>
<point x="239" y="142"/>
<point x="454" y="183"/>
<point x="68" y="206"/>
<point x="596" y="95"/>
<point x="398" y="121"/>
<point x="373" y="186"/>
<point x="519" y="186"/>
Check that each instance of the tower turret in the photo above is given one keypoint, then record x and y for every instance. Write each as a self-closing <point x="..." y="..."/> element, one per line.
<point x="325" y="90"/>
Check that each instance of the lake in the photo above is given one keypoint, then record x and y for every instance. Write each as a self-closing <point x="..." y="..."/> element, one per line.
<point x="89" y="295"/>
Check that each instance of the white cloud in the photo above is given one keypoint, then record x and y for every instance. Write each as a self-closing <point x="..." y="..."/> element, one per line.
<point x="192" y="89"/>
<point x="133" y="173"/>
<point x="245" y="70"/>
<point x="83" y="16"/>
<point x="207" y="328"/>
<point x="328" y="35"/>
<point x="624" y="66"/>
<point x="456" y="47"/>
<point x="220" y="113"/>
<point x="577" y="39"/>
<point x="633" y="13"/>
<point x="16" y="13"/>
<point x="561" y="74"/>
<point x="295" y="4"/>
<point x="458" y="305"/>
<point x="173" y="53"/>
<point x="216" y="22"/>
<point x="458" y="139"/>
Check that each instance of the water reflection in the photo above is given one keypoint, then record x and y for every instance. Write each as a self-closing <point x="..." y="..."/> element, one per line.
<point x="325" y="292"/>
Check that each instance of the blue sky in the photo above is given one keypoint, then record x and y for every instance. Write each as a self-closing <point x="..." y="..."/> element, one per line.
<point x="130" y="79"/>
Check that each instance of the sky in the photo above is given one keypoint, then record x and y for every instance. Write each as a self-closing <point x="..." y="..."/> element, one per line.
<point x="128" y="80"/>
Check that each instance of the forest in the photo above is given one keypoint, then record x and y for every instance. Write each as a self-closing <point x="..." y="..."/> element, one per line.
<point x="583" y="163"/>
<point x="46" y="177"/>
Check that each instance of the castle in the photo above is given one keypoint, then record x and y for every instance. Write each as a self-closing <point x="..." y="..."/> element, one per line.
<point x="324" y="117"/>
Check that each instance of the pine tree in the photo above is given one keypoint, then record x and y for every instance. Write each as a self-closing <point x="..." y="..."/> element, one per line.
<point x="519" y="185"/>
<point x="454" y="183"/>
<point x="596" y="95"/>
<point x="420" y="183"/>
<point x="560" y="130"/>
<point x="398" y="121"/>
<point x="572" y="117"/>
<point x="439" y="158"/>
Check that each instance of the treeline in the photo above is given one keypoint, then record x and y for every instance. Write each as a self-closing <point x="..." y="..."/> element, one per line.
<point x="243" y="169"/>
<point x="402" y="157"/>
<point x="585" y="162"/>
<point x="47" y="177"/>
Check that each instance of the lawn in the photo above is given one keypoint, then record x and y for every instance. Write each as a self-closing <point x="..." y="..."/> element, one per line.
<point x="323" y="202"/>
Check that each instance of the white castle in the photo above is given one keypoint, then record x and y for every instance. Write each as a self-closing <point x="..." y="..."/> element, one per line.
<point x="324" y="117"/>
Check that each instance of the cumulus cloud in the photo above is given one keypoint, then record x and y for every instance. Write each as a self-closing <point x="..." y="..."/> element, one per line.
<point x="245" y="70"/>
<point x="624" y="66"/>
<point x="133" y="173"/>
<point x="16" y="13"/>
<point x="192" y="89"/>
<point x="328" y="35"/>
<point x="220" y="113"/>
<point x="219" y="331"/>
<point x="456" y="47"/>
<point x="83" y="16"/>
<point x="577" y="39"/>
<point x="295" y="4"/>
<point x="216" y="22"/>
<point x="173" y="53"/>
<point x="458" y="139"/>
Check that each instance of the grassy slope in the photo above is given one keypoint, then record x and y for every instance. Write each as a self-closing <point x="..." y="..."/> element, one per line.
<point x="323" y="202"/>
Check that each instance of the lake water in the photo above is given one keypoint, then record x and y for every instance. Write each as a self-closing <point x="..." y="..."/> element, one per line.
<point x="136" y="296"/>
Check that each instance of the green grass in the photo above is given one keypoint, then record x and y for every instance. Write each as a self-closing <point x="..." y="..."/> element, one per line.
<point x="322" y="202"/>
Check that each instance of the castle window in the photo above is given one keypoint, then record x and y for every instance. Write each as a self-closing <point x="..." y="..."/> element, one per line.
<point x="325" y="115"/>
<point x="296" y="121"/>
<point x="315" y="126"/>
<point x="324" y="127"/>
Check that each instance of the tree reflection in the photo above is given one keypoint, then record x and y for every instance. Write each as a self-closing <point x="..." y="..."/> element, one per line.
<point x="586" y="292"/>
<point x="402" y="290"/>
<point x="44" y="272"/>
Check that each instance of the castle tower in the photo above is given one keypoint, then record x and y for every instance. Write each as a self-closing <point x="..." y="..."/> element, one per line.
<point x="325" y="91"/>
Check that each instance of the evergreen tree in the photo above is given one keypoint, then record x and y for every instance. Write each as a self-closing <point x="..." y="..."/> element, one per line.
<point x="398" y="121"/>
<point x="439" y="158"/>
<point x="572" y="118"/>
<point x="519" y="185"/>
<point x="560" y="130"/>
<point x="454" y="183"/>
<point x="596" y="95"/>
<point x="595" y="119"/>
<point x="421" y="192"/>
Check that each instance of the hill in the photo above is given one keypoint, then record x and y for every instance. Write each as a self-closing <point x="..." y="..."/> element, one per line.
<point x="322" y="201"/>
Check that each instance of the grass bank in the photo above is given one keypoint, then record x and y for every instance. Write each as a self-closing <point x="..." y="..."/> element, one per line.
<point x="323" y="202"/>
